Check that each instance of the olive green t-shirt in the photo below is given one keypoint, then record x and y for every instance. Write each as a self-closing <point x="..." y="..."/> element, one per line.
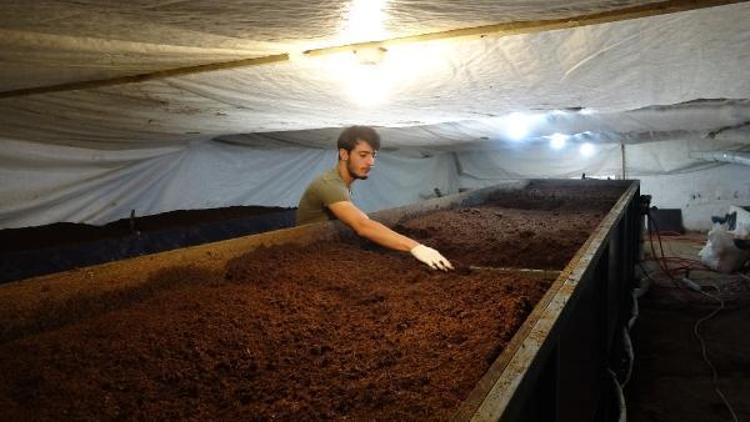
<point x="326" y="189"/>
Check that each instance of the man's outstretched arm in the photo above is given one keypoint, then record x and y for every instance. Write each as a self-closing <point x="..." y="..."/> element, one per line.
<point x="384" y="236"/>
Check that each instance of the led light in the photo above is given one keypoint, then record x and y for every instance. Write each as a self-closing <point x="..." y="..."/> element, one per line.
<point x="517" y="125"/>
<point x="557" y="140"/>
<point x="364" y="21"/>
<point x="586" y="149"/>
<point x="369" y="77"/>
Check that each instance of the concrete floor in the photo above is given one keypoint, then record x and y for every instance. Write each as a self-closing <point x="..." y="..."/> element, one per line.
<point x="670" y="380"/>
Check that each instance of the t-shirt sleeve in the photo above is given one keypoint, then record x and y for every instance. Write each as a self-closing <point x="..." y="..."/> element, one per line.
<point x="330" y="193"/>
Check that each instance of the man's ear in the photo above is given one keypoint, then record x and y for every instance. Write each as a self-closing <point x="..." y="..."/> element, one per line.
<point x="343" y="154"/>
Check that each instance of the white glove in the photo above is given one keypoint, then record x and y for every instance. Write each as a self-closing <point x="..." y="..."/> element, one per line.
<point x="431" y="257"/>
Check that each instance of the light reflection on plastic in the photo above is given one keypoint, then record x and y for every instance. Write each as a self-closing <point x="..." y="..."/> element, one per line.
<point x="586" y="149"/>
<point x="364" y="21"/>
<point x="370" y="83"/>
<point x="366" y="85"/>
<point x="557" y="141"/>
<point x="369" y="76"/>
<point x="518" y="125"/>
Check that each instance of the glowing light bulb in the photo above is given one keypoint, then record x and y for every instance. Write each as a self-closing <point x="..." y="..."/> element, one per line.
<point x="586" y="149"/>
<point x="557" y="141"/>
<point x="517" y="125"/>
<point x="364" y="21"/>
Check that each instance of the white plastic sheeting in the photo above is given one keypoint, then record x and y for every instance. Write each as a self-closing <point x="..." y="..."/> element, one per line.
<point x="724" y="156"/>
<point x="44" y="184"/>
<point x="507" y="161"/>
<point x="695" y="119"/>
<point x="700" y="194"/>
<point x="489" y="167"/>
<point x="56" y="41"/>
<point x="720" y="252"/>
<point x="620" y="66"/>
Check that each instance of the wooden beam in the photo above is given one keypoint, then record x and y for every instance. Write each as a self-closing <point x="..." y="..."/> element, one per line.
<point x="160" y="74"/>
<point x="527" y="27"/>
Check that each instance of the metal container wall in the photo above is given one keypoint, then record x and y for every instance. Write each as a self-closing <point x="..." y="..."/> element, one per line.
<point x="557" y="366"/>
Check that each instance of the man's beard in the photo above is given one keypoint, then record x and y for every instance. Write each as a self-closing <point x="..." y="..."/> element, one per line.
<point x="353" y="173"/>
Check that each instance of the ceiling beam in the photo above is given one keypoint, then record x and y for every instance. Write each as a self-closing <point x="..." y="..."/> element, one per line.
<point x="528" y="27"/>
<point x="159" y="74"/>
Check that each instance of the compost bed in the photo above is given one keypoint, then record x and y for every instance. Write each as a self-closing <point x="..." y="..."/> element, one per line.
<point x="340" y="329"/>
<point x="32" y="251"/>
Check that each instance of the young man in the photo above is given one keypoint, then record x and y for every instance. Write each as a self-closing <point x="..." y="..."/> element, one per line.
<point x="328" y="197"/>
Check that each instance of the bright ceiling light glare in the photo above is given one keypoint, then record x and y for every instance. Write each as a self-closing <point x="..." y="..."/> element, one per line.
<point x="367" y="86"/>
<point x="364" y="21"/>
<point x="517" y="125"/>
<point x="363" y="74"/>
<point x="587" y="111"/>
<point x="558" y="114"/>
<point x="364" y="85"/>
<point x="369" y="77"/>
<point x="557" y="141"/>
<point x="586" y="149"/>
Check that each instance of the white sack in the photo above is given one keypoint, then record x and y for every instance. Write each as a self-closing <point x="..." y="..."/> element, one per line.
<point x="720" y="253"/>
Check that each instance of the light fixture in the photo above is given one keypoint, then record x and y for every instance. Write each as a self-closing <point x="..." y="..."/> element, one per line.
<point x="370" y="55"/>
<point x="586" y="149"/>
<point x="364" y="21"/>
<point x="517" y="125"/>
<point x="369" y="75"/>
<point x="557" y="141"/>
<point x="369" y="71"/>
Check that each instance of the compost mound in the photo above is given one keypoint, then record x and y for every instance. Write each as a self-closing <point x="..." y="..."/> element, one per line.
<point x="535" y="230"/>
<point x="336" y="330"/>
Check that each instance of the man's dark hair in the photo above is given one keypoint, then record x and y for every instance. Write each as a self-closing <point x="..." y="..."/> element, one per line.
<point x="352" y="135"/>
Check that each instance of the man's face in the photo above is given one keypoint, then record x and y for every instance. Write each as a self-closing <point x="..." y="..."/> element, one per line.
<point x="360" y="160"/>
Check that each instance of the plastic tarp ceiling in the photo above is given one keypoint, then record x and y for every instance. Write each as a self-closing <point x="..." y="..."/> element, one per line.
<point x="54" y="41"/>
<point x="664" y="86"/>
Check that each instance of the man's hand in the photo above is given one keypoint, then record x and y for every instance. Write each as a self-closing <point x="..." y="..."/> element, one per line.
<point x="431" y="257"/>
